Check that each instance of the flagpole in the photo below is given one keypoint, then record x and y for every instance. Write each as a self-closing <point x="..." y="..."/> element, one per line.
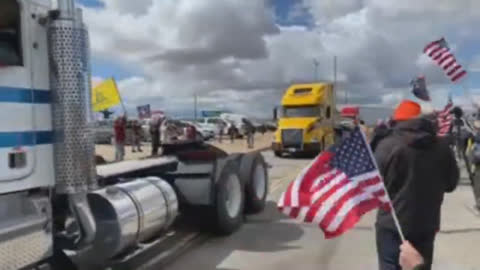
<point x="394" y="214"/>
<point x="120" y="96"/>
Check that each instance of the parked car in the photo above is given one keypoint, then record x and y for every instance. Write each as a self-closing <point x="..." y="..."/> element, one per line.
<point x="259" y="127"/>
<point x="237" y="120"/>
<point x="177" y="132"/>
<point x="206" y="133"/>
<point x="271" y="126"/>
<point x="103" y="132"/>
<point x="213" y="123"/>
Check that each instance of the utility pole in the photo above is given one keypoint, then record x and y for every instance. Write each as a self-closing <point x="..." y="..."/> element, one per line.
<point x="315" y="65"/>
<point x="195" y="106"/>
<point x="346" y="96"/>
<point x="334" y="70"/>
<point x="335" y="80"/>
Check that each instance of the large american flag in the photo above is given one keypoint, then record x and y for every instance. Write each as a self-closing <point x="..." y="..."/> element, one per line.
<point x="440" y="53"/>
<point x="337" y="188"/>
<point x="445" y="119"/>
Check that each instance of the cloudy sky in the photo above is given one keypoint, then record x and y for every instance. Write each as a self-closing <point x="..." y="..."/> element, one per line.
<point x="242" y="54"/>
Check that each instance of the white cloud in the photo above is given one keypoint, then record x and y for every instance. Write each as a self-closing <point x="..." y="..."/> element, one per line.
<point x="137" y="7"/>
<point x="96" y="80"/>
<point x="232" y="54"/>
<point x="474" y="64"/>
<point x="328" y="10"/>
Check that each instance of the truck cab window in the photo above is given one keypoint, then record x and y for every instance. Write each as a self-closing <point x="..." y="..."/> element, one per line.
<point x="301" y="111"/>
<point x="10" y="38"/>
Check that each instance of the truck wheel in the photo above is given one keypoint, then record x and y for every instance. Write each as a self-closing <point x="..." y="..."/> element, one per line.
<point x="60" y="261"/>
<point x="278" y="153"/>
<point x="229" y="200"/>
<point x="253" y="172"/>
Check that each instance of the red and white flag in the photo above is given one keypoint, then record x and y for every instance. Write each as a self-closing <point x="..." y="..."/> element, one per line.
<point x="337" y="188"/>
<point x="445" y="119"/>
<point x="441" y="54"/>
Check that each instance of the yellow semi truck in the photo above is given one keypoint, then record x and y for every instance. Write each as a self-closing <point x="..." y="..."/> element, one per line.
<point x="306" y="122"/>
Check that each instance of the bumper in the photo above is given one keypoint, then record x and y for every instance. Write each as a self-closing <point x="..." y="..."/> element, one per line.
<point x="306" y="147"/>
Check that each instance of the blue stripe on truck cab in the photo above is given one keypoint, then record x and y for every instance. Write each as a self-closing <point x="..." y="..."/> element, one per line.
<point x="27" y="138"/>
<point x="24" y="95"/>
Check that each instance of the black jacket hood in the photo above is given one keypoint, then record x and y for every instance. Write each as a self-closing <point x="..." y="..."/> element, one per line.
<point x="418" y="133"/>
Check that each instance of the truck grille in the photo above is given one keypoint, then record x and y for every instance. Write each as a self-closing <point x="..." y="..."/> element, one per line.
<point x="292" y="137"/>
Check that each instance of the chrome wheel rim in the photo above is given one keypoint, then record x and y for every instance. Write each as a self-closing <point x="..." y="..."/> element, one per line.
<point x="259" y="181"/>
<point x="233" y="198"/>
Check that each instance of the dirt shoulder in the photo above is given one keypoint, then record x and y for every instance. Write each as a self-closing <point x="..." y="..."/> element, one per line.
<point x="238" y="146"/>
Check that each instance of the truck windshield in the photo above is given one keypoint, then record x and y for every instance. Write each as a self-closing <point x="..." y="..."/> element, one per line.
<point x="305" y="111"/>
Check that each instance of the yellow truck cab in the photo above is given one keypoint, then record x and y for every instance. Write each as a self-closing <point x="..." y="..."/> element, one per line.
<point x="306" y="120"/>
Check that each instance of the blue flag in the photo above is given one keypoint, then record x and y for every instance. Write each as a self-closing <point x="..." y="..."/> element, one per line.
<point x="420" y="88"/>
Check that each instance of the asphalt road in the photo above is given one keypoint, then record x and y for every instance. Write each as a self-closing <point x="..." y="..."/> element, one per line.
<point x="269" y="241"/>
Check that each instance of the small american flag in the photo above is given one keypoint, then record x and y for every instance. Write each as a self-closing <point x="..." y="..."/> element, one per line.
<point x="439" y="52"/>
<point x="445" y="119"/>
<point x="337" y="188"/>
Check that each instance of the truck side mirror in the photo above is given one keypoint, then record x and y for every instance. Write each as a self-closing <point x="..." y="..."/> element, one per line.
<point x="275" y="114"/>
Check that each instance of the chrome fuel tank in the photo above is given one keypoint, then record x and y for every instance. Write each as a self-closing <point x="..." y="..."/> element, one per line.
<point x="131" y="213"/>
<point x="117" y="221"/>
<point x="170" y="198"/>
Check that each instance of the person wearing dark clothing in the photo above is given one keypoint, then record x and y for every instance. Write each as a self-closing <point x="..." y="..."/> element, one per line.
<point x="136" y="137"/>
<point x="379" y="133"/>
<point x="221" y="131"/>
<point x="250" y="132"/>
<point x="417" y="169"/>
<point x="232" y="132"/>
<point x="119" y="127"/>
<point x="155" y="134"/>
<point x="460" y="131"/>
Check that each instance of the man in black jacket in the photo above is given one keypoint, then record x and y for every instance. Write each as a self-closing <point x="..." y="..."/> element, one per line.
<point x="417" y="169"/>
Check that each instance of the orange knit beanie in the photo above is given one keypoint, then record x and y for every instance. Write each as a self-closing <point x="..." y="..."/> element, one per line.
<point x="407" y="110"/>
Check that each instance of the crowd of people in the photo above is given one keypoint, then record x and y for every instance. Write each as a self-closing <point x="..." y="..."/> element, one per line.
<point x="233" y="131"/>
<point x="120" y="137"/>
<point x="159" y="128"/>
<point x="418" y="168"/>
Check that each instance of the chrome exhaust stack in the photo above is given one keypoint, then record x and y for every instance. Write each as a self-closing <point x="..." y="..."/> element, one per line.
<point x="71" y="108"/>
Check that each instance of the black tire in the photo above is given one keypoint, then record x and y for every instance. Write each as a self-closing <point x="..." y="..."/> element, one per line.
<point x="60" y="261"/>
<point x="225" y="223"/>
<point x="236" y="157"/>
<point x="250" y="163"/>
<point x="278" y="153"/>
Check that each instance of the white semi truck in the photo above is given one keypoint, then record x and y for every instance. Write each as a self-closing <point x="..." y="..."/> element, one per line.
<point x="58" y="210"/>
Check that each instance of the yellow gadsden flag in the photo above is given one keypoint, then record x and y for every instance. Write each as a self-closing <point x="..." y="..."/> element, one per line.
<point x="105" y="95"/>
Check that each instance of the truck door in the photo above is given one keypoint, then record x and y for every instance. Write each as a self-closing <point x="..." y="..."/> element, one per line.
<point x="21" y="101"/>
